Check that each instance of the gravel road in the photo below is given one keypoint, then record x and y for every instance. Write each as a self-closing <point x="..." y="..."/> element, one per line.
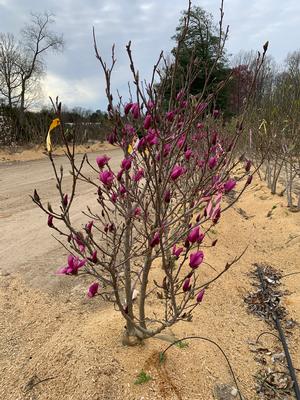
<point x="26" y="244"/>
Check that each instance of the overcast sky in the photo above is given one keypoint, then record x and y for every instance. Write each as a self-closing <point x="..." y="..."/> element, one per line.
<point x="75" y="75"/>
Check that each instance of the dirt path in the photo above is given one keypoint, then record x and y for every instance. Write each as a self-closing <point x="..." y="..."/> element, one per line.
<point x="57" y="344"/>
<point x="25" y="242"/>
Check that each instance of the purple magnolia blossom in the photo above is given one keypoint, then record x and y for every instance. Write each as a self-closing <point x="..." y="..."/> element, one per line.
<point x="186" y="285"/>
<point x="94" y="257"/>
<point x="120" y="174"/>
<point x="181" y="141"/>
<point x="177" y="171"/>
<point x="170" y="115"/>
<point x="122" y="190"/>
<point x="114" y="197"/>
<point x="196" y="259"/>
<point x="127" y="108"/>
<point x="135" y="110"/>
<point x="214" y="138"/>
<point x="107" y="178"/>
<point x="216" y="113"/>
<point x="229" y="185"/>
<point x="102" y="160"/>
<point x="249" y="179"/>
<point x="147" y="121"/>
<point x="150" y="104"/>
<point x="141" y="144"/>
<point x="195" y="235"/>
<point x="212" y="162"/>
<point x="50" y="221"/>
<point x="93" y="289"/>
<point x="200" y="295"/>
<point x="155" y="240"/>
<point x="88" y="226"/>
<point x="112" y="138"/>
<point x="151" y="137"/>
<point x="188" y="154"/>
<point x="137" y="212"/>
<point x="248" y="165"/>
<point x="79" y="243"/>
<point x="166" y="149"/>
<point x="177" y="251"/>
<point x="126" y="164"/>
<point x="74" y="263"/>
<point x="167" y="196"/>
<point x="216" y="214"/>
<point x="65" y="200"/>
<point x="138" y="175"/>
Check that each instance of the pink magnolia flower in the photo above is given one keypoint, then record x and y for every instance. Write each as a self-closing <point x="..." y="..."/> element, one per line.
<point x="249" y="179"/>
<point x="147" y="121"/>
<point x="229" y="185"/>
<point x="181" y="141"/>
<point x="170" y="115"/>
<point x="65" y="200"/>
<point x="122" y="190"/>
<point x="74" y="263"/>
<point x="195" y="235"/>
<point x="177" y="171"/>
<point x="166" y="149"/>
<point x="151" y="137"/>
<point x="138" y="175"/>
<point x="200" y="295"/>
<point x="248" y="164"/>
<point x="120" y="174"/>
<point x="155" y="240"/>
<point x="216" y="214"/>
<point x="141" y="144"/>
<point x="214" y="139"/>
<point x="196" y="259"/>
<point x="126" y="164"/>
<point x="79" y="242"/>
<point x="94" y="257"/>
<point x="135" y="110"/>
<point x="179" y="95"/>
<point x="112" y="138"/>
<point x="150" y="104"/>
<point x="102" y="161"/>
<point x="127" y="108"/>
<point x="107" y="178"/>
<point x="188" y="154"/>
<point x="186" y="285"/>
<point x="216" y="113"/>
<point x="114" y="197"/>
<point x="93" y="289"/>
<point x="212" y="162"/>
<point x="50" y="221"/>
<point x="177" y="251"/>
<point x="137" y="212"/>
<point x="167" y="196"/>
<point x="88" y="226"/>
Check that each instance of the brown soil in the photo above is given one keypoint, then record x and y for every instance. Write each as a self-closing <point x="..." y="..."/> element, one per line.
<point x="38" y="152"/>
<point x="57" y="344"/>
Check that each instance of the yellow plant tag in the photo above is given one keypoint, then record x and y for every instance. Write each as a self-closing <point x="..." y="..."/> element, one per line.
<point x="53" y="125"/>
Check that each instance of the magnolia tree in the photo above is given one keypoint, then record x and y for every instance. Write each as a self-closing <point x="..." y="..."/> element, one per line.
<point x="145" y="241"/>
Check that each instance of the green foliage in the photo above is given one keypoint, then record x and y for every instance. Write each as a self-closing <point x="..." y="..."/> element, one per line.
<point x="142" y="378"/>
<point x="201" y="44"/>
<point x="182" y="344"/>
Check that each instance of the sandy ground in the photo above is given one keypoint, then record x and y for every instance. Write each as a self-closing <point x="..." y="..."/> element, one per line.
<point x="38" y="152"/>
<point x="57" y="344"/>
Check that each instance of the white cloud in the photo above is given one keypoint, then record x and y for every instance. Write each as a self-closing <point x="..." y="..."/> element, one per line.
<point x="72" y="92"/>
